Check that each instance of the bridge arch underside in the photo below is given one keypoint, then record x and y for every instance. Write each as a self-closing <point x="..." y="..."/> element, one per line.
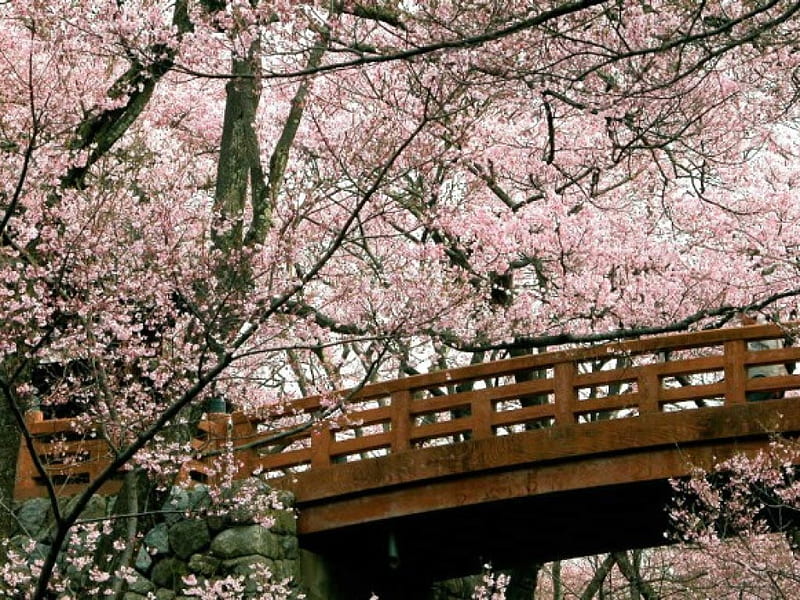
<point x="532" y="497"/>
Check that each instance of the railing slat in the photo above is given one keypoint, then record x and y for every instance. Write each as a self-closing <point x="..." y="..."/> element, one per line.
<point x="401" y="421"/>
<point x="481" y="409"/>
<point x="735" y="376"/>
<point x="321" y="437"/>
<point x="649" y="385"/>
<point x="566" y="398"/>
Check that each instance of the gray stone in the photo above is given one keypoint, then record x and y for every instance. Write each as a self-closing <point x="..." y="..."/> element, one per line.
<point x="285" y="522"/>
<point x="96" y="507"/>
<point x="177" y="500"/>
<point x="286" y="498"/>
<point x="252" y="568"/>
<point x="188" y="537"/>
<point x="32" y="517"/>
<point x="168" y="573"/>
<point x="289" y="546"/>
<point x="185" y="501"/>
<point x="245" y="540"/>
<point x="247" y="565"/>
<point x="241" y="515"/>
<point x="158" y="538"/>
<point x="199" y="498"/>
<point x="285" y="569"/>
<point x="216" y="523"/>
<point x="140" y="585"/>
<point x="143" y="560"/>
<point x="204" y="564"/>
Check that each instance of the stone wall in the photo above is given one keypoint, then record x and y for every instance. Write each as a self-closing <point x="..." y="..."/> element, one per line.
<point x="184" y="542"/>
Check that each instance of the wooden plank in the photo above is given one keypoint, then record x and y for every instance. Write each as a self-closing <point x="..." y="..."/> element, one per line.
<point x="650" y="391"/>
<point x="321" y="438"/>
<point x="481" y="420"/>
<point x="774" y="384"/>
<point x="287" y="459"/>
<point x="481" y="410"/>
<point x="445" y="428"/>
<point x="51" y="426"/>
<point x="72" y="448"/>
<point x="490" y="395"/>
<point x="693" y="392"/>
<point x="565" y="393"/>
<point x="678" y="341"/>
<point x="361" y="444"/>
<point x="689" y="366"/>
<point x="776" y="356"/>
<point x="401" y="421"/>
<point x="601" y="378"/>
<point x="521" y="415"/>
<point x="616" y="402"/>
<point x="735" y="375"/>
<point x="421" y="406"/>
<point x="365" y="417"/>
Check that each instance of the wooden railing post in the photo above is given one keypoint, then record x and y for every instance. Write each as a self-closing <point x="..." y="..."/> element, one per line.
<point x="321" y="437"/>
<point x="564" y="374"/>
<point x="481" y="409"/>
<point x="25" y="486"/>
<point x="401" y="420"/>
<point x="649" y="390"/>
<point x="735" y="374"/>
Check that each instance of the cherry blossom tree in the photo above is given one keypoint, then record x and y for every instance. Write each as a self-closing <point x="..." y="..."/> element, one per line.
<point x="258" y="200"/>
<point x="738" y="525"/>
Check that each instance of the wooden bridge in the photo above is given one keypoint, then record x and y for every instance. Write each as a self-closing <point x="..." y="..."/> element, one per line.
<point x="533" y="458"/>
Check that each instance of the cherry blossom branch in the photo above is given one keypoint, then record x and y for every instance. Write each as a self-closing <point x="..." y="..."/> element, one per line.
<point x="317" y="417"/>
<point x="27" y="156"/>
<point x="725" y="314"/>
<point x="280" y="154"/>
<point x="99" y="132"/>
<point x="724" y="28"/>
<point x="599" y="576"/>
<point x="453" y="44"/>
<point x="634" y="577"/>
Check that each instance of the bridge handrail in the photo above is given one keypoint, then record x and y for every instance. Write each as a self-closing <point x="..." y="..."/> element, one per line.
<point x="538" y="390"/>
<point x="503" y="397"/>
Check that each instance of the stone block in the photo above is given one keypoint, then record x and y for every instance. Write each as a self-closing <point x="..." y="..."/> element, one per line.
<point x="141" y="585"/>
<point x="246" y="540"/>
<point x="33" y="516"/>
<point x="158" y="539"/>
<point x="188" y="537"/>
<point x="285" y="522"/>
<point x="204" y="564"/>
<point x="169" y="572"/>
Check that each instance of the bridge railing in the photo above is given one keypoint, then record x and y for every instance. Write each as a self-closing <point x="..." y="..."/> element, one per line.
<point x="567" y="387"/>
<point x="570" y="387"/>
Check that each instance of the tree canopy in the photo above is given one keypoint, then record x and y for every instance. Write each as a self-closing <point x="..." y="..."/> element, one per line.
<point x="262" y="200"/>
